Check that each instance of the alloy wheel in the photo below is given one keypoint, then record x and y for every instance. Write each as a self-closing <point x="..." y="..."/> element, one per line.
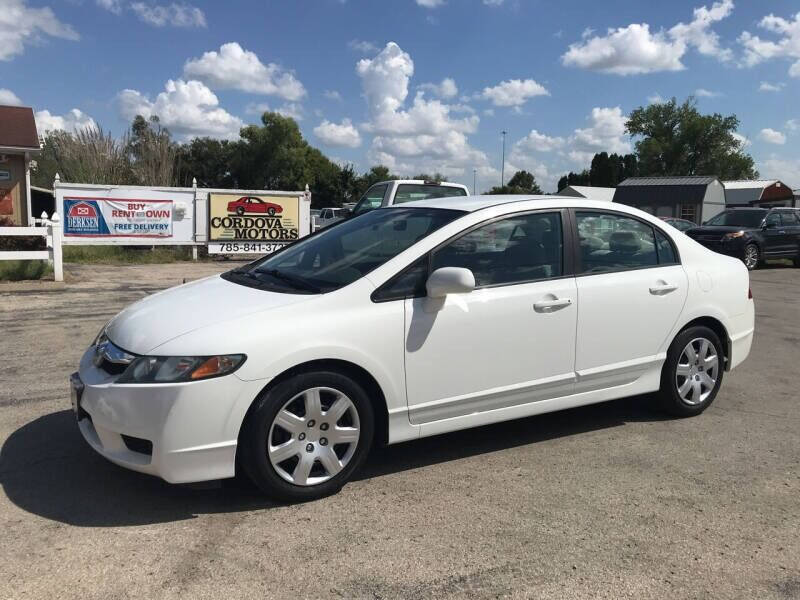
<point x="697" y="371"/>
<point x="751" y="257"/>
<point x="313" y="436"/>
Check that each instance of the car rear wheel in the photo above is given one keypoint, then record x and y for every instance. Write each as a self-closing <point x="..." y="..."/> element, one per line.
<point x="751" y="257"/>
<point x="304" y="438"/>
<point x="271" y="211"/>
<point x="240" y="210"/>
<point x="692" y="373"/>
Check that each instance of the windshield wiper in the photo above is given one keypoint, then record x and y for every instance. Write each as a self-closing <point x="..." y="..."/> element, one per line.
<point x="297" y="282"/>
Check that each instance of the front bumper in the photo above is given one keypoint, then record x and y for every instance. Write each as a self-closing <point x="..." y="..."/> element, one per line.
<point x="193" y="427"/>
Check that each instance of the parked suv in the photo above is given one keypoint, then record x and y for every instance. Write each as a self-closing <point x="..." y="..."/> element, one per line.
<point x="752" y="234"/>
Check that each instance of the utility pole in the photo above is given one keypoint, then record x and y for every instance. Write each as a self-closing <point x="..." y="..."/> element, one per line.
<point x="503" y="165"/>
<point x="474" y="180"/>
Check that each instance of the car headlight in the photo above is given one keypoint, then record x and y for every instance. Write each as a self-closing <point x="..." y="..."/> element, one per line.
<point x="732" y="236"/>
<point x="172" y="369"/>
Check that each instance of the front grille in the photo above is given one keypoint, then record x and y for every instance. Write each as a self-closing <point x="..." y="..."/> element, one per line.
<point x="139" y="445"/>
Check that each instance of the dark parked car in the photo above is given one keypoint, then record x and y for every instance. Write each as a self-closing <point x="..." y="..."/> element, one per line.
<point x="752" y="234"/>
<point x="679" y="224"/>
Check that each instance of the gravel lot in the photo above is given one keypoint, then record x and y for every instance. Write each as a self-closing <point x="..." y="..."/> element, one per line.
<point x="607" y="501"/>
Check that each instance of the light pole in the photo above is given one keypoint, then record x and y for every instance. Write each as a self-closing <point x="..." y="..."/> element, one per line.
<point x="503" y="164"/>
<point x="474" y="180"/>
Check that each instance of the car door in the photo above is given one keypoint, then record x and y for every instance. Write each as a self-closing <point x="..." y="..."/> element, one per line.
<point x="512" y="339"/>
<point x="776" y="240"/>
<point x="790" y="220"/>
<point x="631" y="290"/>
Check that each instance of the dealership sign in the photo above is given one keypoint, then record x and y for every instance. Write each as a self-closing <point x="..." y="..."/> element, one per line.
<point x="255" y="219"/>
<point x="118" y="217"/>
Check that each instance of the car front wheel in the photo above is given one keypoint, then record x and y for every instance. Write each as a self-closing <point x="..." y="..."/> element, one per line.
<point x="692" y="373"/>
<point x="751" y="257"/>
<point x="304" y="438"/>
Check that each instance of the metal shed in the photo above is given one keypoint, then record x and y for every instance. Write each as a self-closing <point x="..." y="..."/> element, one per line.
<point x="758" y="192"/>
<point x="695" y="198"/>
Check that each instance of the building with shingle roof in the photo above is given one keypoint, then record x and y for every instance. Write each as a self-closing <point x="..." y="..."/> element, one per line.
<point x="19" y="143"/>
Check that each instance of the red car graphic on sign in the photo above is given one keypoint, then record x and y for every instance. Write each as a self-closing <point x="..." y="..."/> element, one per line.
<point x="251" y="204"/>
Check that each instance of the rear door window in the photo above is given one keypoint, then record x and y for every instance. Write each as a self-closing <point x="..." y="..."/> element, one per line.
<point x="372" y="199"/>
<point x="612" y="242"/>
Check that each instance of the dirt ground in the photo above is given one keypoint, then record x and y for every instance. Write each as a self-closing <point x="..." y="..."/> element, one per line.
<point x="607" y="501"/>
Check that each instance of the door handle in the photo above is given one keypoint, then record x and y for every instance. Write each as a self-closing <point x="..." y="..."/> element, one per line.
<point x="551" y="305"/>
<point x="662" y="288"/>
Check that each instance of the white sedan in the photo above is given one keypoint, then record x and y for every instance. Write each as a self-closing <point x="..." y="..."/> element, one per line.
<point x="407" y="322"/>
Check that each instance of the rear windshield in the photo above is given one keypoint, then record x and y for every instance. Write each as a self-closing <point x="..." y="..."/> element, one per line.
<point x="341" y="254"/>
<point x="408" y="192"/>
<point x="739" y="218"/>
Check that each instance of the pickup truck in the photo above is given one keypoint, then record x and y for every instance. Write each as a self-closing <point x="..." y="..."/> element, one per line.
<point x="387" y="193"/>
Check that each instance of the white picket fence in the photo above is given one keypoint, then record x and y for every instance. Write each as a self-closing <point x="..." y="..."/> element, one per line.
<point x="51" y="230"/>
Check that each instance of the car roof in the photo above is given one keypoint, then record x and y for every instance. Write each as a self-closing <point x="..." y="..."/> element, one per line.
<point x="473" y="203"/>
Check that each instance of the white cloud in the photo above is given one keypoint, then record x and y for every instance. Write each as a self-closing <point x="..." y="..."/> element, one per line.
<point x="234" y="68"/>
<point x="21" y="25"/>
<point x="430" y="3"/>
<point x="338" y="134"/>
<point x="489" y="112"/>
<point x="635" y="49"/>
<point x="446" y="89"/>
<point x="332" y="95"/>
<point x="704" y="93"/>
<point x="655" y="99"/>
<point x="115" y="6"/>
<point x="771" y="87"/>
<point x="540" y="142"/>
<point x="9" y="98"/>
<point x="289" y="109"/>
<point x="757" y="50"/>
<point x="785" y="169"/>
<point x="793" y="125"/>
<point x="606" y="133"/>
<point x="187" y="108"/>
<point x="362" y="46"/>
<point x="744" y="142"/>
<point x="514" y="92"/>
<point x="493" y="2"/>
<point x="175" y="14"/>
<point x="73" y="121"/>
<point x="772" y="136"/>
<point x="423" y="136"/>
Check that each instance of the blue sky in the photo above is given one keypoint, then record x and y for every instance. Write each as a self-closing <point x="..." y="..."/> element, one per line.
<point x="419" y="85"/>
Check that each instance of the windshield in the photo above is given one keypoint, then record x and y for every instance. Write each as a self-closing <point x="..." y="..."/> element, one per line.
<point x="739" y="218"/>
<point x="346" y="252"/>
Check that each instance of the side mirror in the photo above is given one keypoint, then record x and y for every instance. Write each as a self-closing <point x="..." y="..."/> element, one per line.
<point x="450" y="280"/>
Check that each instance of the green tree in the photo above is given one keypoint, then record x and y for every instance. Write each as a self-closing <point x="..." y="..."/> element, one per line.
<point x="151" y="152"/>
<point x="678" y="140"/>
<point x="207" y="160"/>
<point x="522" y="182"/>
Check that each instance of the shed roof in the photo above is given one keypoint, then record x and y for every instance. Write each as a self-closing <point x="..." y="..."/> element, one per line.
<point x="18" y="128"/>
<point x="670" y="180"/>
<point x="746" y="184"/>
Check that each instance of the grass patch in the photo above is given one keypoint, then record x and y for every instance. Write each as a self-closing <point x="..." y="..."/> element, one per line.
<point x="21" y="270"/>
<point x="137" y="255"/>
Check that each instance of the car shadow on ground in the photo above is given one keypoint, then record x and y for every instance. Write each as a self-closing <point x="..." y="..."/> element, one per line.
<point x="47" y="469"/>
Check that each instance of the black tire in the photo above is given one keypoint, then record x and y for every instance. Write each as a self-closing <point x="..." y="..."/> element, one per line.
<point x="271" y="211"/>
<point x="796" y="261"/>
<point x="669" y="396"/>
<point x="240" y="210"/>
<point x="751" y="264"/>
<point x="253" y="440"/>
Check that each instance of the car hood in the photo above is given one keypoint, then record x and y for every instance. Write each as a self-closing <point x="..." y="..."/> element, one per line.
<point x="714" y="229"/>
<point x="152" y="321"/>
